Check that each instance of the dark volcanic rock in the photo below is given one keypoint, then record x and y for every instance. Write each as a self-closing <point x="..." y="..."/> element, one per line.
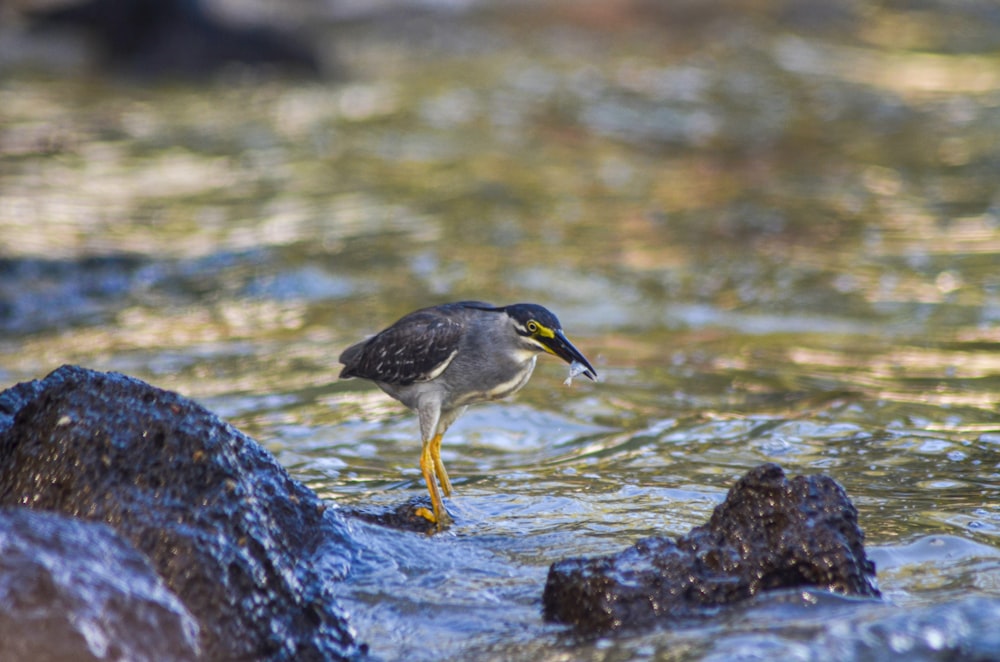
<point x="75" y="590"/>
<point x="769" y="533"/>
<point x="178" y="38"/>
<point x="402" y="516"/>
<point x="250" y="552"/>
<point x="14" y="398"/>
<point x="39" y="294"/>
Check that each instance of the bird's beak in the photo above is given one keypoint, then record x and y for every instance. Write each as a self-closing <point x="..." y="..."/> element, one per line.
<point x="560" y="346"/>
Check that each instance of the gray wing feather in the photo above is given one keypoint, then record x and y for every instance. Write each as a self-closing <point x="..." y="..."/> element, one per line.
<point x="411" y="350"/>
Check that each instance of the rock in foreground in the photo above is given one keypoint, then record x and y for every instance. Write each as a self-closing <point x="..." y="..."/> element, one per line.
<point x="770" y="533"/>
<point x="250" y="552"/>
<point x="74" y="590"/>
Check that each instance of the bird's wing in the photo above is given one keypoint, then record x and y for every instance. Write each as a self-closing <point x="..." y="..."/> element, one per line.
<point x="414" y="349"/>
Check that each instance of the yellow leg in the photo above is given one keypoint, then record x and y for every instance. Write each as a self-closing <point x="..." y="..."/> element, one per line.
<point x="439" y="469"/>
<point x="427" y="467"/>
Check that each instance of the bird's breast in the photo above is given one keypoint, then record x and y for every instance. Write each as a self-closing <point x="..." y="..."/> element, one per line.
<point x="499" y="386"/>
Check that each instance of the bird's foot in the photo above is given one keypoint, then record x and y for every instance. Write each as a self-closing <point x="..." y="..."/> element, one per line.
<point x="441" y="520"/>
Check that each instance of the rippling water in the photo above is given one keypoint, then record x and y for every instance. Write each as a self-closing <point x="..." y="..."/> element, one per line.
<point x="778" y="240"/>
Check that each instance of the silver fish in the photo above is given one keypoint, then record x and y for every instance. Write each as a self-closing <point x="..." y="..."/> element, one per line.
<point x="575" y="368"/>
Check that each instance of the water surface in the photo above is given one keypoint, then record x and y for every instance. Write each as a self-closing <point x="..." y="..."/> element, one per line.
<point x="777" y="238"/>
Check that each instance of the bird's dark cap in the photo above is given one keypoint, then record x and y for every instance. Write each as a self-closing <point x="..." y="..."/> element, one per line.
<point x="522" y="312"/>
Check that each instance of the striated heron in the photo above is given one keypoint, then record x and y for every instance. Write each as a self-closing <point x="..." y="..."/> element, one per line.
<point x="439" y="360"/>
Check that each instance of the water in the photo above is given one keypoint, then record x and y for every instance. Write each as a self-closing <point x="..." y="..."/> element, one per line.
<point x="777" y="240"/>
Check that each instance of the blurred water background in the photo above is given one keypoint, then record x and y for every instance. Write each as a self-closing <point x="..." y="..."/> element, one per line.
<point x="774" y="227"/>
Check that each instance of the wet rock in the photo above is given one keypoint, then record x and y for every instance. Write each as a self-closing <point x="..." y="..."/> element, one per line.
<point x="38" y="294"/>
<point x="402" y="517"/>
<point x="14" y="398"/>
<point x="75" y="590"/>
<point x="178" y="38"/>
<point x="250" y="552"/>
<point x="770" y="533"/>
<point x="41" y="294"/>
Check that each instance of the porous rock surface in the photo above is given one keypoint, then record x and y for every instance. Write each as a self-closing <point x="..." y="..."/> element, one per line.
<point x="75" y="590"/>
<point x="770" y="533"/>
<point x="251" y="553"/>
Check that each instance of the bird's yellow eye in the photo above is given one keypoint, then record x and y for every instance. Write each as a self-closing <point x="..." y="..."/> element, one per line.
<point x="532" y="326"/>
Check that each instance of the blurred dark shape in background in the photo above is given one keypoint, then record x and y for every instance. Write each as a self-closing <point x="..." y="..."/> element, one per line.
<point x="177" y="38"/>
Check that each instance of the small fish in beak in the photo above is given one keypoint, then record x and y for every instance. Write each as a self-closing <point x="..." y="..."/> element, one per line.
<point x="575" y="368"/>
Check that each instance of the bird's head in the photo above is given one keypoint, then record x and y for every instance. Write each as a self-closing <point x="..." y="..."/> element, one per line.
<point x="539" y="329"/>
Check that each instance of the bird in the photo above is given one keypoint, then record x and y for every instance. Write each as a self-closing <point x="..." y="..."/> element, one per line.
<point x="439" y="360"/>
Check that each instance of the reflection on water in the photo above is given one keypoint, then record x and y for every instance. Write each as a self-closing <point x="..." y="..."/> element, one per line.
<point x="778" y="242"/>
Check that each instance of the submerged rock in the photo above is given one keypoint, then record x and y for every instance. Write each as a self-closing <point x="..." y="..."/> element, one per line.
<point x="402" y="516"/>
<point x="178" y="38"/>
<point x="75" y="590"/>
<point x="770" y="533"/>
<point x="250" y="552"/>
<point x="38" y="294"/>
